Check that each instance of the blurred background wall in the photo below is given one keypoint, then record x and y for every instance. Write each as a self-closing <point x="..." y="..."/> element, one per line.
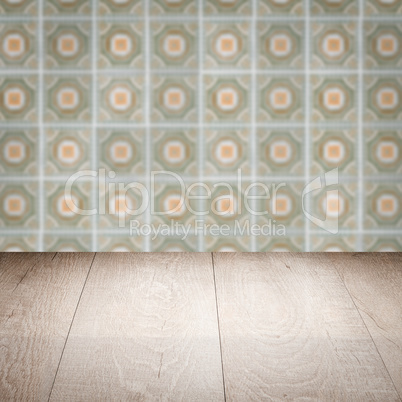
<point x="284" y="90"/>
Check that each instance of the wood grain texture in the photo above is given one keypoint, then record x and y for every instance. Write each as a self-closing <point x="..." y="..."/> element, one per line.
<point x="375" y="283"/>
<point x="289" y="330"/>
<point x="14" y="266"/>
<point x="146" y="329"/>
<point x="36" y="311"/>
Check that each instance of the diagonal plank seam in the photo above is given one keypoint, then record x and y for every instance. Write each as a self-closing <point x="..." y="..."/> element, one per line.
<point x="71" y="324"/>
<point x="219" y="328"/>
<point x="368" y="331"/>
<point x="27" y="272"/>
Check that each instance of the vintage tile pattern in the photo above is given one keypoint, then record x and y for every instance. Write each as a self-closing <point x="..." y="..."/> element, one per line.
<point x="227" y="99"/>
<point x="334" y="45"/>
<point x="227" y="151"/>
<point x="18" y="99"/>
<point x="17" y="206"/>
<point x="280" y="99"/>
<point x="335" y="7"/>
<point x="63" y="7"/>
<point x="280" y="45"/>
<point x="67" y="243"/>
<point x="334" y="148"/>
<point x="122" y="151"/>
<point x="227" y="45"/>
<point x="22" y="7"/>
<point x="383" y="205"/>
<point x="280" y="151"/>
<point x="18" y="149"/>
<point x="174" y="45"/>
<point x="120" y="99"/>
<point x="67" y="45"/>
<point x="67" y="151"/>
<point x="120" y="45"/>
<point x="281" y="90"/>
<point x="59" y="213"/>
<point x="118" y="7"/>
<point x="174" y="98"/>
<point x="383" y="98"/>
<point x="383" y="152"/>
<point x="19" y="45"/>
<point x="181" y="7"/>
<point x="381" y="7"/>
<point x="334" y="98"/>
<point x="285" y="7"/>
<point x="383" y="44"/>
<point x="67" y="99"/>
<point x="233" y="7"/>
<point x="175" y="150"/>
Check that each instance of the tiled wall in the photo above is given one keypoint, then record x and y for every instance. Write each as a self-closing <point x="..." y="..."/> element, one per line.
<point x="284" y="90"/>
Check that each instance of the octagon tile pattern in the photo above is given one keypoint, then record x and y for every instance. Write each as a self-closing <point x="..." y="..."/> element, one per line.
<point x="131" y="95"/>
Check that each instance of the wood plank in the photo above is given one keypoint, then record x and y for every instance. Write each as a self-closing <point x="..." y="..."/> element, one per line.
<point x="14" y="266"/>
<point x="35" y="318"/>
<point x="375" y="284"/>
<point x="290" y="330"/>
<point x="146" y="329"/>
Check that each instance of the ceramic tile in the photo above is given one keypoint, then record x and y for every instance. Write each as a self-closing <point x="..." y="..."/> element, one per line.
<point x="280" y="93"/>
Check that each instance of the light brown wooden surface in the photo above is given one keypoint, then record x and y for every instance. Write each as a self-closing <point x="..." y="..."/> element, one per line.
<point x="146" y="329"/>
<point x="375" y="283"/>
<point x="146" y="326"/>
<point x="290" y="330"/>
<point x="36" y="310"/>
<point x="14" y="266"/>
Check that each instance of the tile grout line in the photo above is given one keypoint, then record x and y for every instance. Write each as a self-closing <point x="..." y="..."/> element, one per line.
<point x="41" y="147"/>
<point x="192" y="71"/>
<point x="253" y="106"/>
<point x="201" y="136"/>
<point x="89" y="179"/>
<point x="233" y="177"/>
<point x="219" y="327"/>
<point x="71" y="324"/>
<point x="94" y="134"/>
<point x="296" y="178"/>
<point x="307" y="245"/>
<point x="360" y="163"/>
<point x="220" y="18"/>
<point x="119" y="231"/>
<point x="147" y="114"/>
<point x="368" y="331"/>
<point x="229" y="125"/>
